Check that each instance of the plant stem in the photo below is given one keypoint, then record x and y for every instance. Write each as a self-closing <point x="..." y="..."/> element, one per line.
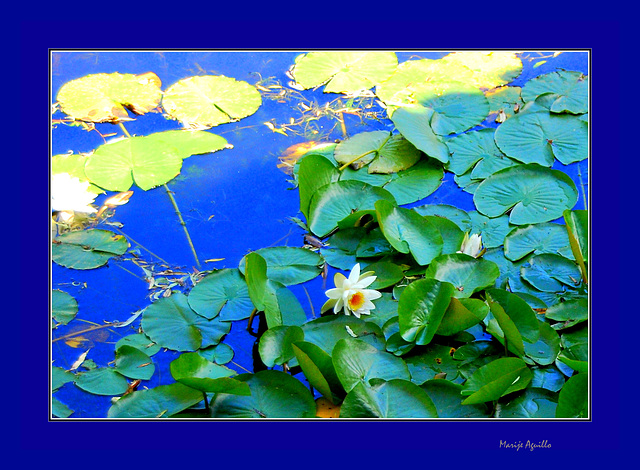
<point x="356" y="159"/>
<point x="175" y="206"/>
<point x="142" y="246"/>
<point x="584" y="196"/>
<point x="183" y="223"/>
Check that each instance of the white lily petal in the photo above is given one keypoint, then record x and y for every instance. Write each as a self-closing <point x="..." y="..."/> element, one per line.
<point x="334" y="293"/>
<point x="339" y="279"/>
<point x="365" y="282"/>
<point x="355" y="274"/>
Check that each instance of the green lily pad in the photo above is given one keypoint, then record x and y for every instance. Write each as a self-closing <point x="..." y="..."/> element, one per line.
<point x="171" y="323"/>
<point x="64" y="307"/>
<point x="336" y="201"/>
<point x="409" y="76"/>
<point x="59" y="409"/>
<point x="220" y="353"/>
<point x="387" y="274"/>
<point x="539" y="137"/>
<point x="576" y="357"/>
<point x="518" y="311"/>
<point x="414" y="123"/>
<point x="162" y="401"/>
<point x="325" y="332"/>
<point x="275" y="346"/>
<point x="274" y="394"/>
<point x="460" y="217"/>
<point x="548" y="377"/>
<point x="207" y="101"/>
<point x="289" y="265"/>
<point x="431" y="360"/>
<point x="537" y="239"/>
<point x="133" y="363"/>
<point x="102" y="381"/>
<point x="103" y="97"/>
<point x="193" y="370"/>
<point x="189" y="142"/>
<point x="457" y="106"/>
<point x="344" y="72"/>
<point x="550" y="273"/>
<point x="409" y="232"/>
<point x="117" y="165"/>
<point x="462" y="314"/>
<point x="395" y="398"/>
<point x="466" y="273"/>
<point x="223" y="292"/>
<point x="451" y="234"/>
<point x="314" y="171"/>
<point x="532" y="194"/>
<point x="87" y="249"/>
<point x="374" y="244"/>
<point x="318" y="369"/>
<point x="490" y="69"/>
<point x="476" y="151"/>
<point x="446" y="398"/>
<point x="421" y="307"/>
<point x="496" y="379"/>
<point x="355" y="362"/>
<point x="384" y="152"/>
<point x="564" y="91"/>
<point x="573" y="400"/>
<point x="278" y="303"/>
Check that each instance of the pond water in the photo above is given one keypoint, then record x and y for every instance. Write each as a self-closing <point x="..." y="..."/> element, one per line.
<point x="233" y="201"/>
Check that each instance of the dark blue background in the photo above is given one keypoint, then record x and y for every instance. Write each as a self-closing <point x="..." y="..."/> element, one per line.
<point x="609" y="188"/>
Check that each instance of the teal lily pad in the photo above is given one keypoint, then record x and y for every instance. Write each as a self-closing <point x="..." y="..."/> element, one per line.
<point x="223" y="292"/>
<point x="532" y="194"/>
<point x="105" y="97"/>
<point x="533" y="403"/>
<point x="518" y="311"/>
<point x="383" y="151"/>
<point x="564" y="91"/>
<point x="289" y="265"/>
<point x="460" y="217"/>
<point x="446" y="397"/>
<point x="541" y="137"/>
<point x="493" y="230"/>
<point x="139" y="341"/>
<point x="505" y="101"/>
<point x="537" y="239"/>
<point x="162" y="401"/>
<point x="395" y="398"/>
<point x="414" y="123"/>
<point x="326" y="331"/>
<point x="274" y="394"/>
<point x="551" y="273"/>
<point x="344" y="71"/>
<point x="207" y="101"/>
<point x="171" y="323"/>
<point x="133" y="363"/>
<point x="544" y="351"/>
<point x="570" y="313"/>
<point x="59" y="377"/>
<point x="476" y="151"/>
<point x="275" y="346"/>
<point x="333" y="202"/>
<point x="87" y="249"/>
<point x="102" y="381"/>
<point x="64" y="307"/>
<point x="466" y="273"/>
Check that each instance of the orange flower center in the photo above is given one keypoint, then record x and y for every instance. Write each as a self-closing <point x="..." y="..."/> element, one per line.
<point x="356" y="301"/>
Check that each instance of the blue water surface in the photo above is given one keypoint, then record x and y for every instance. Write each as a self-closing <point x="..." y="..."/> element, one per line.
<point x="233" y="201"/>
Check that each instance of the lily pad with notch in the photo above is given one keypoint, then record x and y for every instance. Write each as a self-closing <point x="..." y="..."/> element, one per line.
<point x="531" y="193"/>
<point x="466" y="273"/>
<point x="223" y="292"/>
<point x="537" y="239"/>
<point x="105" y="97"/>
<point x="207" y="101"/>
<point x="87" y="249"/>
<point x="289" y="265"/>
<point x="564" y="91"/>
<point x="344" y="71"/>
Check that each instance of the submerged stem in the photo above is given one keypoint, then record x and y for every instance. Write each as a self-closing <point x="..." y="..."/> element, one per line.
<point x="584" y="196"/>
<point x="183" y="223"/>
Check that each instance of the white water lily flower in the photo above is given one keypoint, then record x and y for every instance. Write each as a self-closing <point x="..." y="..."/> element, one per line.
<point x="69" y="194"/>
<point x="351" y="294"/>
<point x="471" y="245"/>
